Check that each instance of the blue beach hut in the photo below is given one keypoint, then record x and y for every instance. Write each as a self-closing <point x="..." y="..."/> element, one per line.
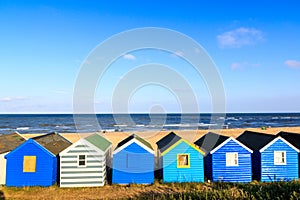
<point x="226" y="159"/>
<point x="180" y="161"/>
<point x="34" y="163"/>
<point x="273" y="159"/>
<point x="133" y="161"/>
<point x="294" y="139"/>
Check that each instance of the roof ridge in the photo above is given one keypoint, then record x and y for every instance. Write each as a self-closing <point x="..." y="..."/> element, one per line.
<point x="167" y="141"/>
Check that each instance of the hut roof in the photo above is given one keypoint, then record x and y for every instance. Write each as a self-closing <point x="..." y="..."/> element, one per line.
<point x="10" y="141"/>
<point x="255" y="140"/>
<point x="53" y="142"/>
<point x="293" y="138"/>
<point x="134" y="136"/>
<point x="210" y="140"/>
<point x="167" y="141"/>
<point x="99" y="141"/>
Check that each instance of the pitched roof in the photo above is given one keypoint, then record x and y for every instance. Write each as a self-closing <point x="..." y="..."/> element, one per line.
<point x="293" y="138"/>
<point x="230" y="139"/>
<point x="10" y="141"/>
<point x="167" y="141"/>
<point x="99" y="141"/>
<point x="210" y="140"/>
<point x="53" y="142"/>
<point x="255" y="140"/>
<point x="29" y="141"/>
<point x="134" y="136"/>
<point x="275" y="140"/>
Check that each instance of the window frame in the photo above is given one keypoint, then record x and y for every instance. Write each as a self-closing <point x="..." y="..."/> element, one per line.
<point x="284" y="157"/>
<point x="229" y="157"/>
<point x="188" y="160"/>
<point x="29" y="159"/>
<point x="78" y="160"/>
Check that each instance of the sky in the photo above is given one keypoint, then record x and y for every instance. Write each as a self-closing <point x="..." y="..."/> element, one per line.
<point x="254" y="45"/>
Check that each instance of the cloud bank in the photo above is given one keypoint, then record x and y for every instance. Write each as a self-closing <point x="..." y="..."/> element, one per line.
<point x="240" y="37"/>
<point x="292" y="64"/>
<point x="243" y="65"/>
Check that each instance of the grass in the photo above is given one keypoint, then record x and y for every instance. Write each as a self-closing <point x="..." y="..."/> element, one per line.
<point x="183" y="191"/>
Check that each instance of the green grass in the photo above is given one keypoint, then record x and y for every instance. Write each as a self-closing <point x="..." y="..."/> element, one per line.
<point x="182" y="191"/>
<point x="254" y="190"/>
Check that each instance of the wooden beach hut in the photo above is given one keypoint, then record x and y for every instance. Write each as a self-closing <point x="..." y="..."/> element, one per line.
<point x="84" y="163"/>
<point x="34" y="163"/>
<point x="180" y="161"/>
<point x="273" y="159"/>
<point x="7" y="143"/>
<point x="226" y="159"/>
<point x="294" y="139"/>
<point x="133" y="161"/>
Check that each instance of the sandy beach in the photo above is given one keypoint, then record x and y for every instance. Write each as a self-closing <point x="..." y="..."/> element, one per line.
<point x="153" y="136"/>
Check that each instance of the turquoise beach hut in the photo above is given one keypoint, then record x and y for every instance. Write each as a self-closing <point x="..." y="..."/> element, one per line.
<point x="179" y="160"/>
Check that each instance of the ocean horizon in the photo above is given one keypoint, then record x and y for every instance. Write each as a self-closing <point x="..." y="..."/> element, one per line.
<point x="136" y="122"/>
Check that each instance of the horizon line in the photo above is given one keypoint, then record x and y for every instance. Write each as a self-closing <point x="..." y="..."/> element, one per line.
<point x="123" y="113"/>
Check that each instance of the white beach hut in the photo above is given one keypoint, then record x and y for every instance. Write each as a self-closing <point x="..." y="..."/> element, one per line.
<point x="8" y="142"/>
<point x="84" y="163"/>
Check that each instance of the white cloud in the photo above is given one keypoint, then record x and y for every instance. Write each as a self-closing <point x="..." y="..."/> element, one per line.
<point x="9" y="99"/>
<point x="6" y="99"/>
<point x="21" y="98"/>
<point x="292" y="63"/>
<point x="129" y="57"/>
<point x="242" y="65"/>
<point x="235" y="66"/>
<point x="240" y="37"/>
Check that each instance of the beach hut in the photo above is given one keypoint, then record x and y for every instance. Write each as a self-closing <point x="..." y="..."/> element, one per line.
<point x="273" y="159"/>
<point x="180" y="161"/>
<point x="294" y="139"/>
<point x="34" y="162"/>
<point x="226" y="159"/>
<point x="133" y="161"/>
<point x="84" y="163"/>
<point x="7" y="143"/>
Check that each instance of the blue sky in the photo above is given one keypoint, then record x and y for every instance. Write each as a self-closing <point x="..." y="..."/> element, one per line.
<point x="254" y="44"/>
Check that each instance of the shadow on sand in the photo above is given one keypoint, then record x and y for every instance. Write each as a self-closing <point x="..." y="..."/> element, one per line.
<point x="1" y="195"/>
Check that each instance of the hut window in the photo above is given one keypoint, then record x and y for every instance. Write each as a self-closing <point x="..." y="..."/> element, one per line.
<point x="29" y="164"/>
<point x="232" y="159"/>
<point x="183" y="160"/>
<point x="81" y="160"/>
<point x="279" y="158"/>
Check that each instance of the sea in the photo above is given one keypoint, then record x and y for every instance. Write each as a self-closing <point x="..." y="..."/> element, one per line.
<point x="69" y="123"/>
